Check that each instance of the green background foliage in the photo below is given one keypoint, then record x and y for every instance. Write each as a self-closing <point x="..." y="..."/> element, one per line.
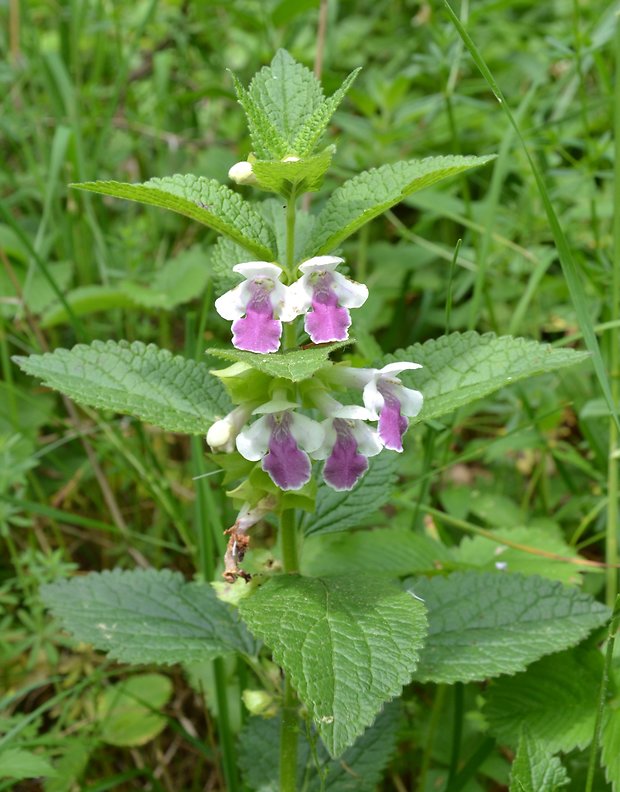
<point x="520" y="478"/>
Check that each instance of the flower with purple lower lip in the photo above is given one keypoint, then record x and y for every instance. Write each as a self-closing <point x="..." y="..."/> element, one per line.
<point x="385" y="397"/>
<point x="282" y="439"/>
<point x="330" y="295"/>
<point x="257" y="307"/>
<point x="348" y="442"/>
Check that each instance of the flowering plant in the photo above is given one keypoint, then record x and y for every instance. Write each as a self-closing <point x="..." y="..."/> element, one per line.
<point x="310" y="434"/>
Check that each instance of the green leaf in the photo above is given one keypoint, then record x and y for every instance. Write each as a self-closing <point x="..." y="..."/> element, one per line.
<point x="304" y="175"/>
<point x="266" y="140"/>
<point x="348" y="645"/>
<point x="19" y="763"/>
<point x="339" y="511"/>
<point x="295" y="365"/>
<point x="610" y="739"/>
<point x="126" y="711"/>
<point x="86" y="300"/>
<point x="372" y="192"/>
<point x="384" y="551"/>
<point x="71" y="764"/>
<point x="534" y="770"/>
<point x="201" y="199"/>
<point x="483" y="553"/>
<point x="359" y="769"/>
<point x="314" y="127"/>
<point x="462" y="367"/>
<point x="169" y="391"/>
<point x="555" y="700"/>
<point x="147" y="616"/>
<point x="287" y="93"/>
<point x="483" y="624"/>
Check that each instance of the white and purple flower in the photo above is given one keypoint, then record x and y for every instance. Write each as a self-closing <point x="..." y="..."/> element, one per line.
<point x="348" y="442"/>
<point x="330" y="295"/>
<point x="282" y="439"/>
<point x="257" y="307"/>
<point x="385" y="397"/>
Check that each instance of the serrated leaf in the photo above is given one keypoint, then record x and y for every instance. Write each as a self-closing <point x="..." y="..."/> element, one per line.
<point x="339" y="511"/>
<point x="147" y="616"/>
<point x="483" y="624"/>
<point x="534" y="770"/>
<point x="555" y="700"/>
<point x="222" y="258"/>
<point x="314" y="127"/>
<point x="348" y="645"/>
<point x="201" y="199"/>
<point x="266" y="140"/>
<point x="384" y="551"/>
<point x="462" y="367"/>
<point x="127" y="711"/>
<point x="372" y="192"/>
<point x="287" y="93"/>
<point x="18" y="763"/>
<point x="169" y="391"/>
<point x="483" y="553"/>
<point x="359" y="769"/>
<point x="303" y="175"/>
<point x="294" y="365"/>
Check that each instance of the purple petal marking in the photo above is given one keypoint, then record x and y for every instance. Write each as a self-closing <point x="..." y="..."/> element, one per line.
<point x="258" y="331"/>
<point x="345" y="465"/>
<point x="392" y="425"/>
<point x="288" y="466"/>
<point x="327" y="321"/>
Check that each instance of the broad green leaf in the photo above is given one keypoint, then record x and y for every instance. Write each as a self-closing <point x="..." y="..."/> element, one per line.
<point x="462" y="367"/>
<point x="127" y="711"/>
<point x="372" y="192"/>
<point x="610" y="739"/>
<point x="201" y="199"/>
<point x="295" y="365"/>
<point x="18" y="763"/>
<point x="534" y="770"/>
<point x="348" y="645"/>
<point x="169" y="391"/>
<point x="287" y="93"/>
<point x="359" y="769"/>
<point x="146" y="616"/>
<point x="483" y="624"/>
<point x="303" y="175"/>
<point x="312" y="130"/>
<point x="339" y="511"/>
<point x="266" y="140"/>
<point x="555" y="700"/>
<point x="482" y="553"/>
<point x="384" y="551"/>
<point x="85" y="300"/>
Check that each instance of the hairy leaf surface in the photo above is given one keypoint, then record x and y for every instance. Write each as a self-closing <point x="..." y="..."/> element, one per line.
<point x="534" y="770"/>
<point x="201" y="199"/>
<point x="348" y="645"/>
<point x="338" y="511"/>
<point x="169" y="391"/>
<point x="295" y="365"/>
<point x="462" y="367"/>
<point x="147" y="616"/>
<point x="372" y="192"/>
<point x="483" y="624"/>
<point x="555" y="699"/>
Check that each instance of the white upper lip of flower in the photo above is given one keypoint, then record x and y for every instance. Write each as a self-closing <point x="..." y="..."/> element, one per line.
<point x="410" y="400"/>
<point x="232" y="305"/>
<point x="350" y="294"/>
<point x="253" y="442"/>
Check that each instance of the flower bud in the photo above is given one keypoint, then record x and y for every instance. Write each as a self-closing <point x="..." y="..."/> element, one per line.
<point x="242" y="173"/>
<point x="223" y="433"/>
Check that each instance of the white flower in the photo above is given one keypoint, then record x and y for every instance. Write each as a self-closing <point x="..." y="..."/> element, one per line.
<point x="223" y="433"/>
<point x="242" y="173"/>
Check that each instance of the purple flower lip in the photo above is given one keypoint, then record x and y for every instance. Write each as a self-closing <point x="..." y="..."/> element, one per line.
<point x="257" y="307"/>
<point x="329" y="295"/>
<point x="281" y="438"/>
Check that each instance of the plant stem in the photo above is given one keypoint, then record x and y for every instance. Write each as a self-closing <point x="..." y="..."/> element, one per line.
<point x="288" y="541"/>
<point x="609" y="655"/>
<point x="457" y="732"/>
<point x="611" y="539"/>
<point x="290" y="235"/>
